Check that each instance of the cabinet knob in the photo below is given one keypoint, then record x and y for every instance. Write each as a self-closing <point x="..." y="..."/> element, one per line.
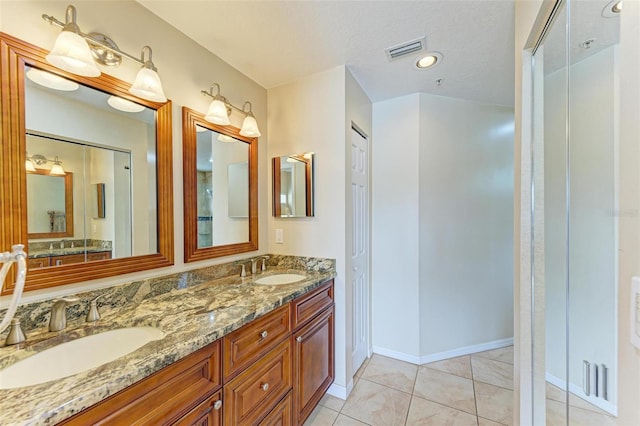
<point x="264" y="386"/>
<point x="299" y="339"/>
<point x="217" y="405"/>
<point x="264" y="334"/>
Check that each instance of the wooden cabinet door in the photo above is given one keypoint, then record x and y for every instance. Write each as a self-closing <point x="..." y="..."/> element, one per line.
<point x="313" y="364"/>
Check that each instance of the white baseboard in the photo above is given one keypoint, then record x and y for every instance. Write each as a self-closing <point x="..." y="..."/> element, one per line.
<point x="396" y="355"/>
<point x="425" y="359"/>
<point x="578" y="392"/>
<point x="339" y="391"/>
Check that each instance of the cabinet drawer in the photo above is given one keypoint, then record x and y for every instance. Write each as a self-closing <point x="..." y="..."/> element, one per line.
<point x="161" y="398"/>
<point x="67" y="259"/>
<point x="248" y="343"/>
<point x="209" y="413"/>
<point x="37" y="262"/>
<point x="311" y="304"/>
<point x="256" y="390"/>
<point x="101" y="255"/>
<point x="280" y="415"/>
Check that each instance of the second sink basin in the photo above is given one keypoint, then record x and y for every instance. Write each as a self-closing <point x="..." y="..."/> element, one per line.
<point x="75" y="356"/>
<point x="280" y="279"/>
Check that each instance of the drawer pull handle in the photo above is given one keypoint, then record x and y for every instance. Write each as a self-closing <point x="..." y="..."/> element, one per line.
<point x="264" y="386"/>
<point x="299" y="339"/>
<point x="264" y="334"/>
<point x="217" y="405"/>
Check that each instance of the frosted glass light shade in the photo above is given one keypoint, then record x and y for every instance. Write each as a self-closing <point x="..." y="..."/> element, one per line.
<point x="56" y="169"/>
<point x="71" y="53"/>
<point x="217" y="113"/>
<point x="52" y="81"/>
<point x="227" y="139"/>
<point x="124" y="104"/>
<point x="29" y="165"/>
<point x="148" y="86"/>
<point x="250" y="127"/>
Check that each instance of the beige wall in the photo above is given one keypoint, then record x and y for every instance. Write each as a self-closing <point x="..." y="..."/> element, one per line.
<point x="185" y="67"/>
<point x="308" y="115"/>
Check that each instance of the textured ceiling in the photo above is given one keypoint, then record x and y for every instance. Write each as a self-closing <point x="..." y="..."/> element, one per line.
<point x="276" y="42"/>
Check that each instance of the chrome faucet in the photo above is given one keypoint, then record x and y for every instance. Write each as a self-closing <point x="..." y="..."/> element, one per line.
<point x="58" y="319"/>
<point x="254" y="265"/>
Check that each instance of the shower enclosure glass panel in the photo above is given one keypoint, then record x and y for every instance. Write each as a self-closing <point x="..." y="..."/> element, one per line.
<point x="574" y="163"/>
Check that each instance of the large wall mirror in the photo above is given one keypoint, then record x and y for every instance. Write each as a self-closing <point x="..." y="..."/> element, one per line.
<point x="220" y="189"/>
<point x="87" y="170"/>
<point x="293" y="185"/>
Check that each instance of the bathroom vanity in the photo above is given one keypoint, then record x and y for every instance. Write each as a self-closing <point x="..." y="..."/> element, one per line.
<point x="273" y="370"/>
<point x="234" y="352"/>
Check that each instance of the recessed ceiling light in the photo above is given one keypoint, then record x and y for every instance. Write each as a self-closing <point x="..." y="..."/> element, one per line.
<point x="124" y="104"/>
<point x="52" y="81"/>
<point x="612" y="9"/>
<point x="430" y="60"/>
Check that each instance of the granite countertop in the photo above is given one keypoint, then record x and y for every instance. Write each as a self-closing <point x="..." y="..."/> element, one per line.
<point x="65" y="251"/>
<point x="190" y="318"/>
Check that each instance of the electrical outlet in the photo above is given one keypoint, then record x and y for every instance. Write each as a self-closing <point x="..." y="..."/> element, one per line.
<point x="279" y="236"/>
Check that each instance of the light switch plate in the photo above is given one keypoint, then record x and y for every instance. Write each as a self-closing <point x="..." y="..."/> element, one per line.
<point x="635" y="311"/>
<point x="279" y="236"/>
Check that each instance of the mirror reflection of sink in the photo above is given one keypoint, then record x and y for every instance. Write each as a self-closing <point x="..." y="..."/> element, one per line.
<point x="75" y="356"/>
<point x="280" y="279"/>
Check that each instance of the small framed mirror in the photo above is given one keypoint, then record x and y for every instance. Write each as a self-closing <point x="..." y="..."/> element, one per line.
<point x="220" y="189"/>
<point x="49" y="204"/>
<point x="293" y="185"/>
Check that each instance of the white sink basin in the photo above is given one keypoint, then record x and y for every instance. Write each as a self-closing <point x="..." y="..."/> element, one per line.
<point x="69" y="358"/>
<point x="280" y="279"/>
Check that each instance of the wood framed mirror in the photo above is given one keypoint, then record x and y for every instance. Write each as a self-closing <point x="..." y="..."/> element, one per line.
<point x="151" y="165"/>
<point x="293" y="185"/>
<point x="220" y="169"/>
<point x="49" y="204"/>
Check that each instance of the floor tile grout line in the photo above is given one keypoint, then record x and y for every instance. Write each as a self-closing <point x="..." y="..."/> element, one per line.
<point x="473" y="384"/>
<point x="484" y="418"/>
<point x="453" y="374"/>
<point x="489" y="359"/>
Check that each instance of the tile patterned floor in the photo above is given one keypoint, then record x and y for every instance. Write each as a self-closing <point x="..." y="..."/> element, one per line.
<point x="470" y="390"/>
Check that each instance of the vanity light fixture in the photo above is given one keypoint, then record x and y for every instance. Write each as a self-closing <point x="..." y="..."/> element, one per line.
<point x="249" y="124"/>
<point x="430" y="60"/>
<point x="40" y="160"/>
<point x="77" y="53"/>
<point x="28" y="164"/>
<point x="125" y="105"/>
<point x="218" y="112"/>
<point x="52" y="81"/>
<point x="220" y="108"/>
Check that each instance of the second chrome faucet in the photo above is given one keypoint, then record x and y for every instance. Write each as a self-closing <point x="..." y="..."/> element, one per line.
<point x="58" y="320"/>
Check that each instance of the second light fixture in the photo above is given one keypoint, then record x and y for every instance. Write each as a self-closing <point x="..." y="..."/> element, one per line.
<point x="220" y="108"/>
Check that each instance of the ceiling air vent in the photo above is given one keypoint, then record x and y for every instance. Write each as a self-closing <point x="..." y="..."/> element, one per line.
<point x="407" y="48"/>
